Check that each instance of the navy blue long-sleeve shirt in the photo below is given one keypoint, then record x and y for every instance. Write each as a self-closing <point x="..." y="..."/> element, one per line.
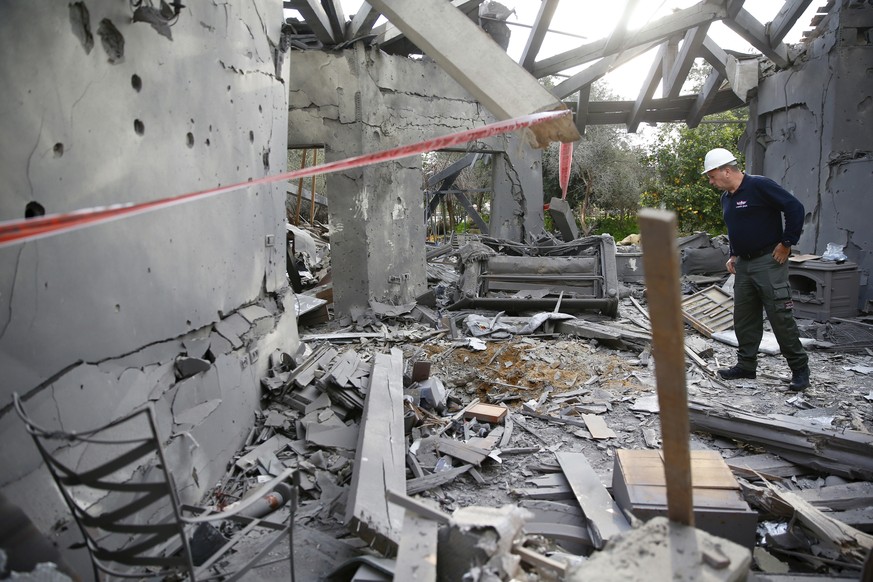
<point x="753" y="215"/>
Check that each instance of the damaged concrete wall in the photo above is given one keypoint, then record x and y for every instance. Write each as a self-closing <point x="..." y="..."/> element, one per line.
<point x="813" y="133"/>
<point x="99" y="110"/>
<point x="362" y="101"/>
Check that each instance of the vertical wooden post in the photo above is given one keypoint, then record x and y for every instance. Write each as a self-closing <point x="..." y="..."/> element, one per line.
<point x="312" y="192"/>
<point x="300" y="189"/>
<point x="661" y="268"/>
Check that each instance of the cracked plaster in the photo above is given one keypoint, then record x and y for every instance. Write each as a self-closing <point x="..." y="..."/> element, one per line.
<point x="814" y="131"/>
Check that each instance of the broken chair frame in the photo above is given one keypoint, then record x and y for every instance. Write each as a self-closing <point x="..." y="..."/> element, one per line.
<point x="116" y="482"/>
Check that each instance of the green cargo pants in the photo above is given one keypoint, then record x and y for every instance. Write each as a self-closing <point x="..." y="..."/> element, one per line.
<point x="763" y="283"/>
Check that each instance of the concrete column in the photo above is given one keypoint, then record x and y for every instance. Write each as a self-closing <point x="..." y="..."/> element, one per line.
<point x="517" y="203"/>
<point x="376" y="212"/>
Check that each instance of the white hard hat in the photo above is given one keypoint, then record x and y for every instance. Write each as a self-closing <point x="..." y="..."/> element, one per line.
<point x="717" y="158"/>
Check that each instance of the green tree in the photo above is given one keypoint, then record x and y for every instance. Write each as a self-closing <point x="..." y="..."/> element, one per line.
<point x="675" y="161"/>
<point x="605" y="176"/>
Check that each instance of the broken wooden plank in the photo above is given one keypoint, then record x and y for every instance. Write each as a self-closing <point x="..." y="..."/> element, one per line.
<point x="860" y="519"/>
<point x="854" y="545"/>
<point x="307" y="374"/>
<point x="839" y="497"/>
<point x="420" y="507"/>
<point x="457" y="416"/>
<point x="271" y="446"/>
<point x="597" y="427"/>
<point x="462" y="451"/>
<point x="602" y="515"/>
<point x="709" y="310"/>
<point x="420" y="484"/>
<point x="555" y="419"/>
<point x="486" y="412"/>
<point x="764" y="465"/>
<point x="661" y="264"/>
<point x="826" y="449"/>
<point x="379" y="457"/>
<point x="340" y="337"/>
<point x="417" y="554"/>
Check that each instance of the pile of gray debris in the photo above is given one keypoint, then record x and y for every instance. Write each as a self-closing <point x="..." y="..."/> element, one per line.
<point x="465" y="439"/>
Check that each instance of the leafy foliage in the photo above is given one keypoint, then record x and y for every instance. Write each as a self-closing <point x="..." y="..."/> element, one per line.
<point x="605" y="177"/>
<point x="675" y="161"/>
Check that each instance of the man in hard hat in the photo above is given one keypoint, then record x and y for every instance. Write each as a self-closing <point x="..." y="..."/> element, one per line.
<point x="754" y="207"/>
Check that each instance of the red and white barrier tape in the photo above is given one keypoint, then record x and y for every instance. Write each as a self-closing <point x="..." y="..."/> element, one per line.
<point x="17" y="231"/>
<point x="564" y="160"/>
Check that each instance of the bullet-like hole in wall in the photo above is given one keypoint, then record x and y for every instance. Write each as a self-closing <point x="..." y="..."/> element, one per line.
<point x="207" y="141"/>
<point x="34" y="209"/>
<point x="136" y="83"/>
<point x="251" y="136"/>
<point x="138" y="127"/>
<point x="117" y="308"/>
<point x="260" y="109"/>
<point x="190" y="139"/>
<point x="228" y="87"/>
<point x="58" y="149"/>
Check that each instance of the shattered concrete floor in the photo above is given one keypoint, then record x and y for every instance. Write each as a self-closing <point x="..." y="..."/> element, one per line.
<point x="536" y="373"/>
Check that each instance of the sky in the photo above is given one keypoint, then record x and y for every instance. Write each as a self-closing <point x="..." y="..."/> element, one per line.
<point x="595" y="20"/>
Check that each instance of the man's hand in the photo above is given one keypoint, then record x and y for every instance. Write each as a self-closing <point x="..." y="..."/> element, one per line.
<point x="730" y="265"/>
<point x="780" y="253"/>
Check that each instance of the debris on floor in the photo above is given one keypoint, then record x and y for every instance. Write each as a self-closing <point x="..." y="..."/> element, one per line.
<point x="494" y="430"/>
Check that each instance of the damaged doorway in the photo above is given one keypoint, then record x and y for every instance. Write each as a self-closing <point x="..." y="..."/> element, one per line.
<point x="458" y="189"/>
<point x="306" y="200"/>
<point x="306" y="218"/>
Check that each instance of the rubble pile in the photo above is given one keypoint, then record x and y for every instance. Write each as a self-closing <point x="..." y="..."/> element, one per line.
<point x="470" y="443"/>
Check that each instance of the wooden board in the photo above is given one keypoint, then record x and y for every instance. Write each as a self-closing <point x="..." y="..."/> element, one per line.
<point x="417" y="554"/>
<point x="379" y="459"/>
<point x="462" y="451"/>
<point x="597" y="427"/>
<point x="486" y="412"/>
<point x="708" y="469"/>
<point x="602" y="515"/>
<point x="640" y="486"/>
<point x="709" y="311"/>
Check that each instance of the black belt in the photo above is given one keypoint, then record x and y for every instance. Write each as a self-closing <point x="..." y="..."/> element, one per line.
<point x="759" y="253"/>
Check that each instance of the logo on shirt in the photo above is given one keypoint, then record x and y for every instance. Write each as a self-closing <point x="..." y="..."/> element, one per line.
<point x="742" y="204"/>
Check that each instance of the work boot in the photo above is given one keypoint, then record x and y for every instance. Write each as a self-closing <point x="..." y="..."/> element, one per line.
<point x="799" y="379"/>
<point x="736" y="373"/>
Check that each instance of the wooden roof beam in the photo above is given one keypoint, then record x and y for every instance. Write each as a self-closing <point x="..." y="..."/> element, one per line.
<point x="582" y="108"/>
<point x="653" y="78"/>
<point x="704" y="98"/>
<point x="363" y="21"/>
<point x="753" y="32"/>
<point x="388" y="33"/>
<point x="785" y="20"/>
<point x="597" y="70"/>
<point x="659" y="111"/>
<point x="678" y="22"/>
<point x="619" y="33"/>
<point x="316" y="17"/>
<point x="478" y="64"/>
<point x="675" y="77"/>
<point x="336" y="17"/>
<point x="538" y="33"/>
<point x="714" y="55"/>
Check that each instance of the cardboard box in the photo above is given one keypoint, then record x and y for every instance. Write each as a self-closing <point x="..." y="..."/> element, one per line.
<point x="639" y="487"/>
